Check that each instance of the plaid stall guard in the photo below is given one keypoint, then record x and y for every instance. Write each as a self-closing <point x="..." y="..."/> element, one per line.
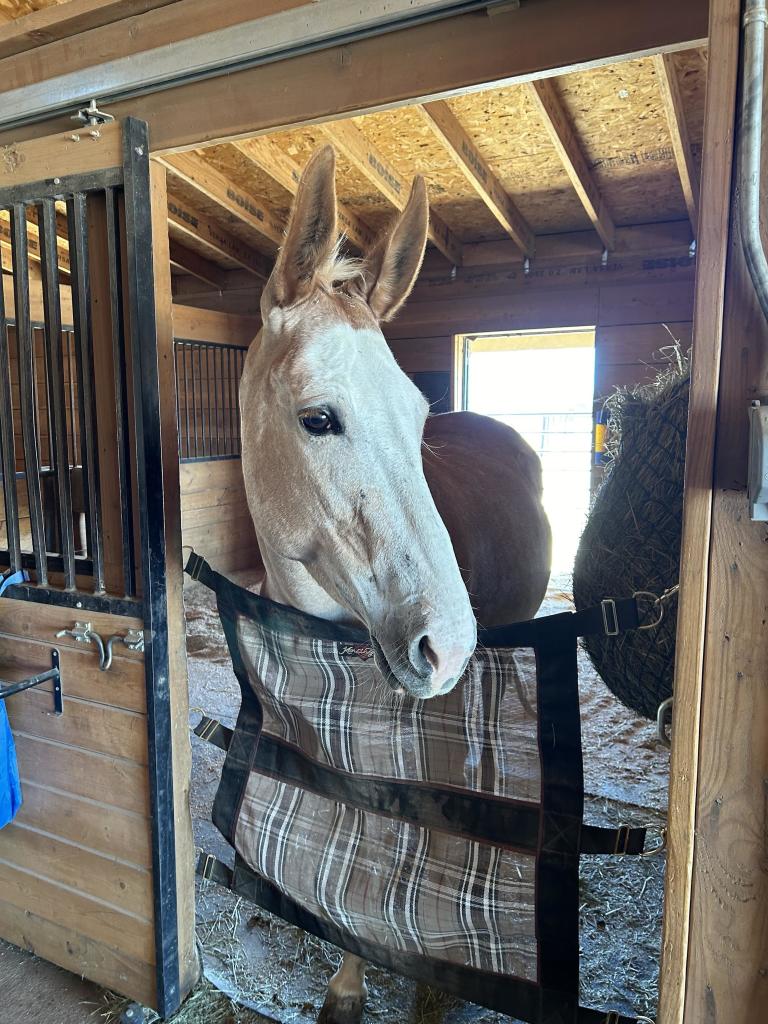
<point x="440" y="838"/>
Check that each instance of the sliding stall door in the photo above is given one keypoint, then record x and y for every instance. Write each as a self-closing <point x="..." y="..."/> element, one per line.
<point x="96" y="870"/>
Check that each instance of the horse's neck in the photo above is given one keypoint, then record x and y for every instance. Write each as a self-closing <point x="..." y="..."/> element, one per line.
<point x="288" y="582"/>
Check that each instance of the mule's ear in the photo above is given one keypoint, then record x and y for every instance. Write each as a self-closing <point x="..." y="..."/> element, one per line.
<point x="311" y="235"/>
<point x="392" y="266"/>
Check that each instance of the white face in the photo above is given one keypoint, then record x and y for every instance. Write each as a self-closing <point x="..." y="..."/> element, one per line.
<point x="332" y="432"/>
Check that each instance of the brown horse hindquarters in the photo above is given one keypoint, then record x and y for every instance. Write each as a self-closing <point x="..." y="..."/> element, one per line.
<point x="486" y="482"/>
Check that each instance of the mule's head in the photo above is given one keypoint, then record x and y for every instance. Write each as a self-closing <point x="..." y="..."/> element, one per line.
<point x="332" y="434"/>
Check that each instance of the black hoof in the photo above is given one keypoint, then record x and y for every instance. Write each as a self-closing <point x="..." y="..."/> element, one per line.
<point x="347" y="1010"/>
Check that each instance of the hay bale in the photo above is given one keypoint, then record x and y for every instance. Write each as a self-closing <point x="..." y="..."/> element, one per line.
<point x="632" y="538"/>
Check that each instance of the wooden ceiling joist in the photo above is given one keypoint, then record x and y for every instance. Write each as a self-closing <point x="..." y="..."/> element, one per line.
<point x="206" y="179"/>
<point x="465" y="154"/>
<point x="198" y="266"/>
<point x="265" y="154"/>
<point x="560" y="130"/>
<point x="374" y="166"/>
<point x="187" y="222"/>
<point x="672" y="100"/>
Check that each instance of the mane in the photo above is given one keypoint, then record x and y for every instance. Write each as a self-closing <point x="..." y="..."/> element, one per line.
<point x="339" y="267"/>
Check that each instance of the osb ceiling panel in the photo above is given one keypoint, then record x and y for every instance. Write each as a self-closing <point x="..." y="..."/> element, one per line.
<point x="617" y="115"/>
<point x="198" y="203"/>
<point x="249" y="177"/>
<point x="508" y="131"/>
<point x="406" y="141"/>
<point x="12" y="9"/>
<point x="351" y="186"/>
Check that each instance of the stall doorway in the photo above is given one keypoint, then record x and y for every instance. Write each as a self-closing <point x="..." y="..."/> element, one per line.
<point x="542" y="384"/>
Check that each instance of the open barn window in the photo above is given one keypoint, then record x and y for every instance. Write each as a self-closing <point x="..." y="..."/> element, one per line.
<point x="542" y="385"/>
<point x="208" y="410"/>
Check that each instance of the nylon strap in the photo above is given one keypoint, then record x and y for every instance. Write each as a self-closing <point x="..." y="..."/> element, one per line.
<point x="622" y="841"/>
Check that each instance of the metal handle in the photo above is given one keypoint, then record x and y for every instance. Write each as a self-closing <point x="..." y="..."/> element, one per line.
<point x="84" y="633"/>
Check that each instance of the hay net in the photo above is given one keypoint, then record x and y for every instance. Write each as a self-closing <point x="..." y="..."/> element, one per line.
<point x="438" y="838"/>
<point x="632" y="538"/>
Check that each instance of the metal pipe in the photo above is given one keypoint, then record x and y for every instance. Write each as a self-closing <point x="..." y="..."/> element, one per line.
<point x="750" y="146"/>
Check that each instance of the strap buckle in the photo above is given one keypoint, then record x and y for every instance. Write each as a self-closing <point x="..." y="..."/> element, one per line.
<point x="610" y="616"/>
<point x="623" y="835"/>
<point x="660" y="831"/>
<point x="206" y="868"/>
<point x="194" y="563"/>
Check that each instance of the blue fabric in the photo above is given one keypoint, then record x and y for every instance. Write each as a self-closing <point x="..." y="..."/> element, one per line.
<point x="10" y="789"/>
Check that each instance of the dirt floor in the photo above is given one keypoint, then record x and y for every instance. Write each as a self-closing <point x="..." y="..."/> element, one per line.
<point x="278" y="974"/>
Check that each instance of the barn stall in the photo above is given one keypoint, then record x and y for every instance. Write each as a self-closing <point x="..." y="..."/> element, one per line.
<point x="563" y="196"/>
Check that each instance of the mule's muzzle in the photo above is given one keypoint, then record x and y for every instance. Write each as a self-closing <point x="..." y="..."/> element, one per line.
<point x="427" y="668"/>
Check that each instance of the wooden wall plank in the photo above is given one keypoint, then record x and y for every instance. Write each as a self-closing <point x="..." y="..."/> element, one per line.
<point x="85" y="725"/>
<point x="78" y="953"/>
<point x="113" y="781"/>
<point x="69" y="863"/>
<point x="62" y="906"/>
<point x="41" y="622"/>
<point x="58" y="155"/>
<point x="95" y="825"/>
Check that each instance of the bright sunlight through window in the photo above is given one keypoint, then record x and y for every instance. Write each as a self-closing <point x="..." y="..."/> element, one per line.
<point x="542" y="385"/>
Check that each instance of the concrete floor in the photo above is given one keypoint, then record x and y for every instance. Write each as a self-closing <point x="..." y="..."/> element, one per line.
<point x="33" y="991"/>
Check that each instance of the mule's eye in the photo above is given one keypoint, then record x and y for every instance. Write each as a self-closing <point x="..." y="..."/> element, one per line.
<point x="319" y="421"/>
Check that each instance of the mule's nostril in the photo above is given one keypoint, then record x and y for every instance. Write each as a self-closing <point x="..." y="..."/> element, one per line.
<point x="428" y="653"/>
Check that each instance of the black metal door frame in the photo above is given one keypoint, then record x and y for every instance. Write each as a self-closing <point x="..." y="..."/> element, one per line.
<point x="134" y="179"/>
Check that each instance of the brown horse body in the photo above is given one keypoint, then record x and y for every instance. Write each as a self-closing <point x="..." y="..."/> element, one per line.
<point x="486" y="483"/>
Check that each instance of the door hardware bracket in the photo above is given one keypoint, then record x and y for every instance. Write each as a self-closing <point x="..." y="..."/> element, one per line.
<point x="8" y="689"/>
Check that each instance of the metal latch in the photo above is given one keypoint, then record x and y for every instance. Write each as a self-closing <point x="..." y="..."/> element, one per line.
<point x="84" y="633"/>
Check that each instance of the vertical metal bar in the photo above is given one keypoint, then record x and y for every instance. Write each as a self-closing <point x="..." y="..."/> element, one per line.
<point x="222" y="429"/>
<point x="54" y="363"/>
<point x="74" y="460"/>
<point x="146" y="377"/>
<point x="177" y="376"/>
<point x="187" y="440"/>
<point x="240" y="360"/>
<point x="194" y="394"/>
<point x="215" y="416"/>
<point x="230" y="445"/>
<point x="123" y="439"/>
<point x="210" y="406"/>
<point x="48" y="400"/>
<point x="202" y="400"/>
<point x="81" y="304"/>
<point x="7" y="443"/>
<point x="27" y="389"/>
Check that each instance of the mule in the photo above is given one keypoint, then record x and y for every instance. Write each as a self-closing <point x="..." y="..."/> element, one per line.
<point x="367" y="511"/>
